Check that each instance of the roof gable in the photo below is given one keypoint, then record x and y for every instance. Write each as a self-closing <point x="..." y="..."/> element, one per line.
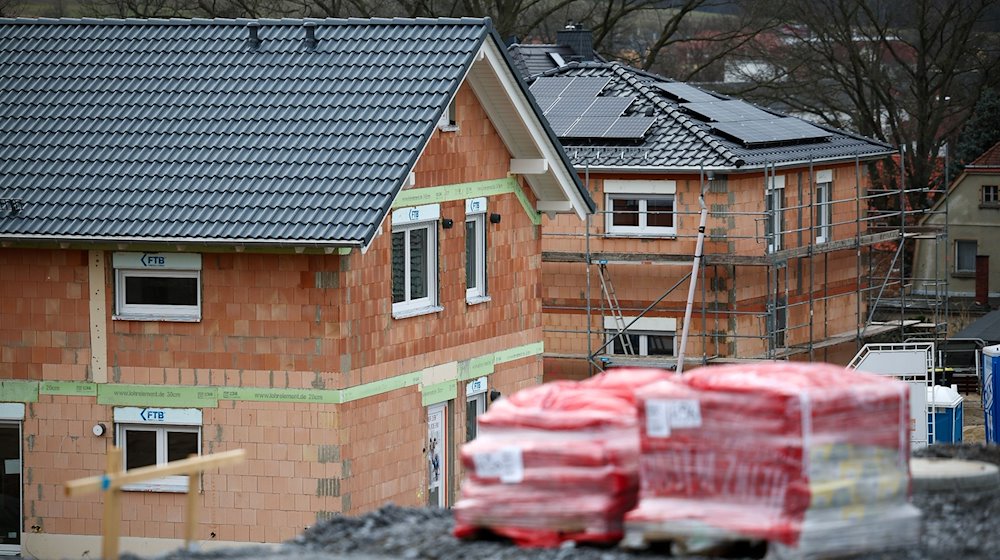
<point x="185" y="130"/>
<point x="989" y="160"/>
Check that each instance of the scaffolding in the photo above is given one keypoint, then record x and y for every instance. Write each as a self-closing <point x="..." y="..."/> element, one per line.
<point x="882" y="238"/>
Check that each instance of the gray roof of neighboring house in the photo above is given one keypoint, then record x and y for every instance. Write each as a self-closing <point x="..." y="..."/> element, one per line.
<point x="986" y="328"/>
<point x="681" y="141"/>
<point x="180" y="130"/>
<point x="530" y="59"/>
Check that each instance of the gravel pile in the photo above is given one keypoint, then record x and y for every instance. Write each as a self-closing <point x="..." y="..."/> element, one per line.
<point x="956" y="525"/>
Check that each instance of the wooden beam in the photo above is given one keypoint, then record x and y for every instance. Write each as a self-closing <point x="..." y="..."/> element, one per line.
<point x="114" y="481"/>
<point x="194" y="483"/>
<point x="528" y="166"/>
<point x="112" y="519"/>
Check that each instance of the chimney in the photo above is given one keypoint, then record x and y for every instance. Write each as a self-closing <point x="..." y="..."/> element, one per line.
<point x="578" y="39"/>
<point x="254" y="38"/>
<point x="983" y="280"/>
<point x="310" y="29"/>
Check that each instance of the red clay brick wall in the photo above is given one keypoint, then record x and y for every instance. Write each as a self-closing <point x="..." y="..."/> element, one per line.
<point x="44" y="329"/>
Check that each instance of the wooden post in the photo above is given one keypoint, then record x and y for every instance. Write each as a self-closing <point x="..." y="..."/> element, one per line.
<point x="115" y="478"/>
<point x="112" y="508"/>
<point x="194" y="483"/>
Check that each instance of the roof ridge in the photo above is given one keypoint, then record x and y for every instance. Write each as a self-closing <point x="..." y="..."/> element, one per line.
<point x="243" y="21"/>
<point x="990" y="159"/>
<point x="682" y="119"/>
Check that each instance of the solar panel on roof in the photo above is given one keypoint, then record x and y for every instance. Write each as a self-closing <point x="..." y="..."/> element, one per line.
<point x="575" y="106"/>
<point x="726" y="111"/>
<point x="551" y="86"/>
<point x="593" y="127"/>
<point x="587" y="86"/>
<point x="609" y="106"/>
<point x="544" y="103"/>
<point x="630" y="127"/>
<point x="562" y="123"/>
<point x="782" y="129"/>
<point x="684" y="92"/>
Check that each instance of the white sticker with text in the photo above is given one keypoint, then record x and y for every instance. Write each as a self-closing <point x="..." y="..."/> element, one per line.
<point x="657" y="419"/>
<point x="506" y="464"/>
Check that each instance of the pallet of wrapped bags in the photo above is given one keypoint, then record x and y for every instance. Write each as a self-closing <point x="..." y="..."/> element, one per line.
<point x="556" y="462"/>
<point x="812" y="458"/>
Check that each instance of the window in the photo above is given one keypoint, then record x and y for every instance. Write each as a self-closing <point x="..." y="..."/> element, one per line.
<point x="414" y="260"/>
<point x="150" y="436"/>
<point x="991" y="195"/>
<point x="641" y="207"/>
<point x="774" y="215"/>
<point x="644" y="344"/>
<point x="475" y="250"/>
<point x="475" y="406"/>
<point x="157" y="286"/>
<point x="647" y="336"/>
<point x="965" y="256"/>
<point x="447" y="122"/>
<point x="824" y="186"/>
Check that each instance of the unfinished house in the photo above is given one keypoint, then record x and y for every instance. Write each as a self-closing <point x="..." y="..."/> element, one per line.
<point x="314" y="240"/>
<point x="782" y="271"/>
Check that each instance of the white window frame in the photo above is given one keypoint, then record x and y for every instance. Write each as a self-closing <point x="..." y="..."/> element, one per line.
<point x="644" y="327"/>
<point x="642" y="191"/>
<point x="126" y="266"/>
<point x="169" y="420"/>
<point x="975" y="247"/>
<point x="475" y="213"/>
<point x="407" y="220"/>
<point x="774" y="194"/>
<point x="824" y="210"/>
<point x="448" y="122"/>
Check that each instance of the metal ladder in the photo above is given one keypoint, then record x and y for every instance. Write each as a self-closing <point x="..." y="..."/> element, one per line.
<point x="616" y="311"/>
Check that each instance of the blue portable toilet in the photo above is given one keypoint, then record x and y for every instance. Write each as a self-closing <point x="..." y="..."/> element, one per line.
<point x="948" y="415"/>
<point x="991" y="389"/>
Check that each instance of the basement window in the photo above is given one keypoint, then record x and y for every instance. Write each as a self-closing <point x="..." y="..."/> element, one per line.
<point x="151" y="436"/>
<point x="157" y="286"/>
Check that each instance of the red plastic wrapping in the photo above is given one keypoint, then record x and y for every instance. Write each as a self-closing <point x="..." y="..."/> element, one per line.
<point x="757" y="450"/>
<point x="556" y="462"/>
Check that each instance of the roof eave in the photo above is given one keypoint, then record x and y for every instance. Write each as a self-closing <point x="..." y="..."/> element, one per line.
<point x="201" y="241"/>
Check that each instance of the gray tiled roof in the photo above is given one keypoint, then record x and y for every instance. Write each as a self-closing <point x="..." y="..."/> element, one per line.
<point x="179" y="129"/>
<point x="680" y="141"/>
<point x="530" y="59"/>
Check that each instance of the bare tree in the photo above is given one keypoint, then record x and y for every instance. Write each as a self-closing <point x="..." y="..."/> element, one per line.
<point x="905" y="73"/>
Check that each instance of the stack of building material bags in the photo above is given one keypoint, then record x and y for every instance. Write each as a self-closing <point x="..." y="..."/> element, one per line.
<point x="810" y="457"/>
<point x="555" y="463"/>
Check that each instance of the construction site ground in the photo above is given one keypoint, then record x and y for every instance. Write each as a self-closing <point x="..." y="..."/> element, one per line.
<point x="956" y="524"/>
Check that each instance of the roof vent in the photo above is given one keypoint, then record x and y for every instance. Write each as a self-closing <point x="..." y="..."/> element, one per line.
<point x="254" y="38"/>
<point x="310" y="29"/>
<point x="10" y="206"/>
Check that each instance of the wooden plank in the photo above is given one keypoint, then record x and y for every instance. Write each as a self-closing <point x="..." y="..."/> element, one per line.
<point x="112" y="509"/>
<point x="114" y="481"/>
<point x="190" y="526"/>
